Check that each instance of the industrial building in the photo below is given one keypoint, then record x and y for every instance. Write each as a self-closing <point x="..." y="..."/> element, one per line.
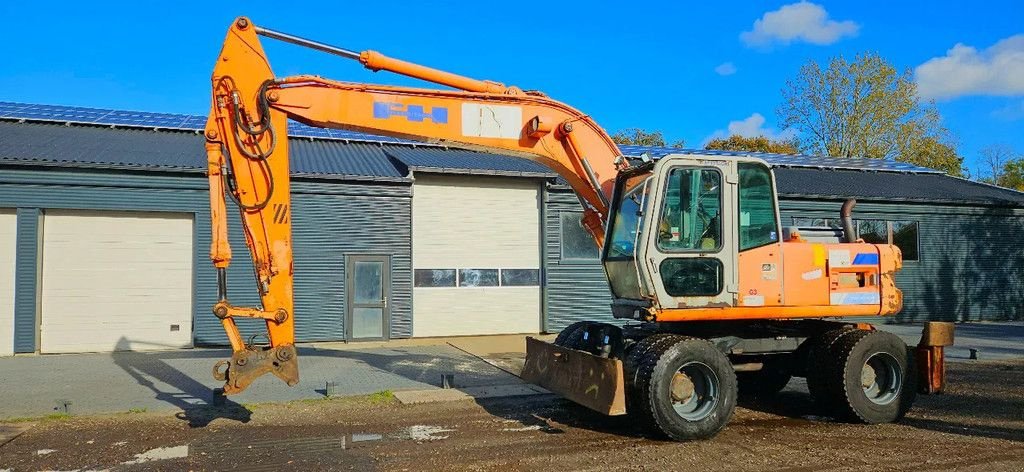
<point x="104" y="230"/>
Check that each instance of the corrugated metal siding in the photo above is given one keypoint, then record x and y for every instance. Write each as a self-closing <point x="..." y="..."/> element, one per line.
<point x="328" y="217"/>
<point x="573" y="291"/>
<point x="26" y="281"/>
<point x="971" y="263"/>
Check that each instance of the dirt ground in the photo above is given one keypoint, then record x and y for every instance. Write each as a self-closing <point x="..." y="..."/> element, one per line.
<point x="977" y="425"/>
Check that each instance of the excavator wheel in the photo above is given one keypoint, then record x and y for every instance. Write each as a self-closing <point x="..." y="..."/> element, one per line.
<point x="768" y="381"/>
<point x="572" y="335"/>
<point x="599" y="339"/>
<point x="872" y="378"/>
<point x="819" y="368"/>
<point x="683" y="388"/>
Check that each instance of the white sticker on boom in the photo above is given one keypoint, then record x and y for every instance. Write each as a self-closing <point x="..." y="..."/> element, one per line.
<point x="839" y="258"/>
<point x="491" y="121"/>
<point x="811" y="275"/>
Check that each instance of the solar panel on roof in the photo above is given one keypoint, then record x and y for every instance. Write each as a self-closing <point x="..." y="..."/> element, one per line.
<point x="100" y="116"/>
<point x="785" y="160"/>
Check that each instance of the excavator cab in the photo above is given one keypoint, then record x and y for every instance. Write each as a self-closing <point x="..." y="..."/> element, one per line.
<point x="677" y="228"/>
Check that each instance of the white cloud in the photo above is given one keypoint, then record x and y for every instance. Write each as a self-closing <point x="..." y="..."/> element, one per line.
<point x="750" y="127"/>
<point x="803" y="21"/>
<point x="964" y="70"/>
<point x="725" y="68"/>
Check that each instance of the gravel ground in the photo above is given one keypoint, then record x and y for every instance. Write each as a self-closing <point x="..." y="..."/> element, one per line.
<point x="977" y="425"/>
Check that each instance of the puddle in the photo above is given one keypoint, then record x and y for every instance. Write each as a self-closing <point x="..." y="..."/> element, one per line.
<point x="424" y="433"/>
<point x="535" y="427"/>
<point x="160" y="454"/>
<point x="363" y="437"/>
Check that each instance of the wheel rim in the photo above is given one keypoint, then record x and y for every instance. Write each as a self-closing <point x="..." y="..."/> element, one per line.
<point x="881" y="378"/>
<point x="694" y="391"/>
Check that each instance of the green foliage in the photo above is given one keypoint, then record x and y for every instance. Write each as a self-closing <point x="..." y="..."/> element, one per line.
<point x="639" y="137"/>
<point x="1002" y="166"/>
<point x="866" y="108"/>
<point x="756" y="144"/>
<point x="1013" y="175"/>
<point x="383" y="396"/>
<point x="930" y="152"/>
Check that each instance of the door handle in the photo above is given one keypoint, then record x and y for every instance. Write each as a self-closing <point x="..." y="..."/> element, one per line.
<point x="384" y="302"/>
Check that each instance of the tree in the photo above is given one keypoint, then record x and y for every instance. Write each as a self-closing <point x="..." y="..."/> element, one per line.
<point x="639" y="137"/>
<point x="866" y="108"/>
<point x="994" y="159"/>
<point x="1013" y="175"/>
<point x="1002" y="166"/>
<point x="756" y="144"/>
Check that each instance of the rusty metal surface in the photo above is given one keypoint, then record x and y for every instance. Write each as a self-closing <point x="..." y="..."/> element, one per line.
<point x="594" y="382"/>
<point x="937" y="333"/>
<point x="249" y="364"/>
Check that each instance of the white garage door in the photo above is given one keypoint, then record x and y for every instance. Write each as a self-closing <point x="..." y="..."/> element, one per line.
<point x="8" y="225"/>
<point x="476" y="255"/>
<point x="116" y="281"/>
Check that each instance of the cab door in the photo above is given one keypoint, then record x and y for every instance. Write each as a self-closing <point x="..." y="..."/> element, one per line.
<point x="689" y="253"/>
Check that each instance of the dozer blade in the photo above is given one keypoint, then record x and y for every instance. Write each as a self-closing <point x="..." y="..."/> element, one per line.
<point x="594" y="382"/>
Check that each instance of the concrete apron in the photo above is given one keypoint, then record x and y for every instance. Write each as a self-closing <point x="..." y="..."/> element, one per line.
<point x="39" y="385"/>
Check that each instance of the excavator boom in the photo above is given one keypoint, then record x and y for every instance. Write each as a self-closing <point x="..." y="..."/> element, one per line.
<point x="247" y="149"/>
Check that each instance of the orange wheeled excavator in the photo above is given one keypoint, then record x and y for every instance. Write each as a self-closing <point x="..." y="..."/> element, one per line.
<point x="719" y="298"/>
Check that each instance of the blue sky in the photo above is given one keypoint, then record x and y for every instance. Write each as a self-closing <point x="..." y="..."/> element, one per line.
<point x="645" y="64"/>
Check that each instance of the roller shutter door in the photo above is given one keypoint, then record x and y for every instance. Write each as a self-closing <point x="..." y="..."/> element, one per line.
<point x="486" y="230"/>
<point x="8" y="225"/>
<point x="116" y="281"/>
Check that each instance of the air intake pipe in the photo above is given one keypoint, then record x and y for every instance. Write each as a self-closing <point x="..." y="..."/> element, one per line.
<point x="846" y="215"/>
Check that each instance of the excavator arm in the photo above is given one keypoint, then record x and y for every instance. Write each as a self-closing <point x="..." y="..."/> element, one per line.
<point x="247" y="151"/>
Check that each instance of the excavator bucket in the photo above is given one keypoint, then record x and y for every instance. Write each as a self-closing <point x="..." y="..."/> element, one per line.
<point x="595" y="382"/>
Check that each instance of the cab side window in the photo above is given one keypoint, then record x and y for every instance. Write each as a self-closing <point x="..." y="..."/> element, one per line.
<point x="757" y="207"/>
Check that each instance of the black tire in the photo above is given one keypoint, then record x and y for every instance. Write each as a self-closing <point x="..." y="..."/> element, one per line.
<point x="711" y="394"/>
<point x="768" y="381"/>
<point x="820" y="369"/>
<point x="631" y="368"/>
<point x="875" y="379"/>
<point x="567" y="335"/>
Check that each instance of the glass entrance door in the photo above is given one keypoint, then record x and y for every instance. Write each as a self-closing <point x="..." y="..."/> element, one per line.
<point x="369" y="288"/>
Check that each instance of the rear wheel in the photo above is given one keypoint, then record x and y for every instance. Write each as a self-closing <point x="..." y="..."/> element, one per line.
<point x="682" y="387"/>
<point x="875" y="381"/>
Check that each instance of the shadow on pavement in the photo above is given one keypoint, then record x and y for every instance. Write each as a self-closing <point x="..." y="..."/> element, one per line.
<point x="146" y="366"/>
<point x="182" y="390"/>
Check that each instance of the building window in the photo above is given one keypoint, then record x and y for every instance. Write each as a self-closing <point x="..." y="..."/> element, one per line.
<point x="520" y="277"/>
<point x="873" y="231"/>
<point x="816" y="223"/>
<point x="478" y="277"/>
<point x="428" y="278"/>
<point x="577" y="244"/>
<point x="434" y="277"/>
<point x="904" y="236"/>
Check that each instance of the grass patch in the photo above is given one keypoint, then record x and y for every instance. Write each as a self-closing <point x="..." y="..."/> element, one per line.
<point x="381" y="397"/>
<point x="27" y="419"/>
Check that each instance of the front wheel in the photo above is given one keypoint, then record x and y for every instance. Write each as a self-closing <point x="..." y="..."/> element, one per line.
<point x="684" y="388"/>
